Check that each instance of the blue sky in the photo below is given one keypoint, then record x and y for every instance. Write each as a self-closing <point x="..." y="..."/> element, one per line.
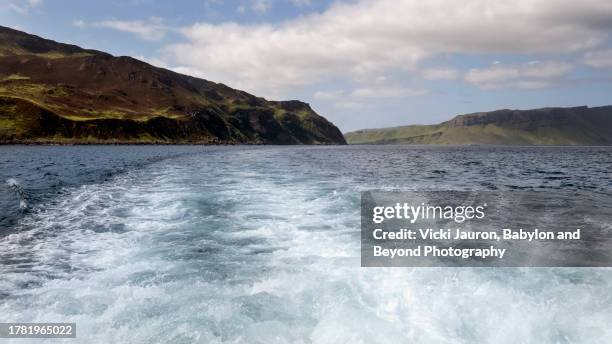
<point x="360" y="63"/>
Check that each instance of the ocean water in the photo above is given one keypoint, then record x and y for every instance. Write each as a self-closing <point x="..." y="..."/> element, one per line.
<point x="145" y="244"/>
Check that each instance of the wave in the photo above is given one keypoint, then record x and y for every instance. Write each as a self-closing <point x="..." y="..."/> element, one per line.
<point x="14" y="186"/>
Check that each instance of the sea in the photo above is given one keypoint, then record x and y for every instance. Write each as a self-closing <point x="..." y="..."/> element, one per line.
<point x="261" y="244"/>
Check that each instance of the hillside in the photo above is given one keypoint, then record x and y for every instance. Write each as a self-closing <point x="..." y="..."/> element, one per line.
<point x="547" y="126"/>
<point x="58" y="93"/>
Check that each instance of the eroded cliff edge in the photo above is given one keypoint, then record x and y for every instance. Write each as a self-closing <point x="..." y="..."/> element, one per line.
<point x="58" y="93"/>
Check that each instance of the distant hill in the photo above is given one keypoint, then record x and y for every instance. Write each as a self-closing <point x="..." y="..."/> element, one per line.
<point x="548" y="126"/>
<point x="58" y="93"/>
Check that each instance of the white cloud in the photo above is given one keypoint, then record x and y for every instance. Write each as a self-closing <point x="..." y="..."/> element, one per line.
<point x="598" y="59"/>
<point x="359" y="96"/>
<point x="364" y="38"/>
<point x="260" y="6"/>
<point x="256" y="6"/>
<point x="530" y="75"/>
<point x="300" y="3"/>
<point x="79" y="23"/>
<point x="149" y="30"/>
<point x="440" y="74"/>
<point x="349" y="105"/>
<point x="328" y="95"/>
<point x="24" y="6"/>
<point x="531" y="84"/>
<point x="387" y="92"/>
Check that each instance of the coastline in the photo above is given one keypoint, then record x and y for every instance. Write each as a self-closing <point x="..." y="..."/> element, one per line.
<point x="229" y="143"/>
<point x="150" y="143"/>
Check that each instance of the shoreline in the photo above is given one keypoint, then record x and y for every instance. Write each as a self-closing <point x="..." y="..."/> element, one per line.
<point x="155" y="143"/>
<point x="197" y="143"/>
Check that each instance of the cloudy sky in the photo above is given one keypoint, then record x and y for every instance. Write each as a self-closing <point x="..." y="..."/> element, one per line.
<point x="361" y="64"/>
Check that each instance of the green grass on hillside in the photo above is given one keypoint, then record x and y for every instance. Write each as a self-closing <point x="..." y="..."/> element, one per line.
<point x="479" y="134"/>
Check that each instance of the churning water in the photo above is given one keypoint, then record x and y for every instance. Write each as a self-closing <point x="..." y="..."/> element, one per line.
<point x="261" y="245"/>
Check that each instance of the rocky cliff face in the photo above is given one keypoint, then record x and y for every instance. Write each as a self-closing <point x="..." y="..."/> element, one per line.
<point x="522" y="119"/>
<point x="54" y="92"/>
<point x="548" y="126"/>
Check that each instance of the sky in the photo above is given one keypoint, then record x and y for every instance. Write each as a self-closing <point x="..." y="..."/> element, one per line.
<point x="361" y="64"/>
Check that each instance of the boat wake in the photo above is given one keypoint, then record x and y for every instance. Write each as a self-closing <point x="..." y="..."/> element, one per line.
<point x="256" y="246"/>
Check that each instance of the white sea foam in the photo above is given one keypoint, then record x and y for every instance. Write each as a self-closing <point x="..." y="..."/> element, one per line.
<point x="14" y="185"/>
<point x="184" y="252"/>
<point x="12" y="182"/>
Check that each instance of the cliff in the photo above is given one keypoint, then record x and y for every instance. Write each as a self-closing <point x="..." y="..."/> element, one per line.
<point x="547" y="126"/>
<point x="52" y="92"/>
